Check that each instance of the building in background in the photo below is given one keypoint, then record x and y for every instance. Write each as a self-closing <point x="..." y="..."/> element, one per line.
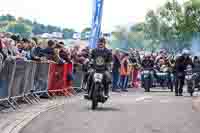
<point x="54" y="35"/>
<point x="77" y="36"/>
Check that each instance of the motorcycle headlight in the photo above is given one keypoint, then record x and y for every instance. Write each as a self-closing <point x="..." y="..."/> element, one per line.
<point x="188" y="77"/>
<point x="146" y="72"/>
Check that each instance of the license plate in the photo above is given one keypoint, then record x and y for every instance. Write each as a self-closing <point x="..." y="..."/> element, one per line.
<point x="98" y="77"/>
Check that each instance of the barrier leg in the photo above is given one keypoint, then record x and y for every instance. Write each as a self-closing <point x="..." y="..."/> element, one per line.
<point x="15" y="103"/>
<point x="27" y="99"/>
<point x="74" y="91"/>
<point x="34" y="98"/>
<point x="34" y="95"/>
<point x="11" y="104"/>
<point x="70" y="91"/>
<point x="4" y="106"/>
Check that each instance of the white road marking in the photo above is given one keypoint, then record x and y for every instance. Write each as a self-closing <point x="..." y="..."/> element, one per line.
<point x="143" y="98"/>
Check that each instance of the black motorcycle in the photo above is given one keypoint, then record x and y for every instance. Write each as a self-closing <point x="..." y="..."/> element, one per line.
<point x="146" y="79"/>
<point x="192" y="80"/>
<point x="163" y="78"/>
<point x="96" y="93"/>
<point x="189" y="77"/>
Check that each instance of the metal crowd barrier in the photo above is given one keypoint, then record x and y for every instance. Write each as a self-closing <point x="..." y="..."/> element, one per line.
<point x="41" y="79"/>
<point x="6" y="79"/>
<point x="78" y="76"/>
<point x="28" y="80"/>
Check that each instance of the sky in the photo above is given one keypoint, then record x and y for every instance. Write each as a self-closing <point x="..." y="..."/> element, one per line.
<point x="77" y="14"/>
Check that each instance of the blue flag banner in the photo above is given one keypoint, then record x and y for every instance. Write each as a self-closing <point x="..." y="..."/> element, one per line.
<point x="96" y="22"/>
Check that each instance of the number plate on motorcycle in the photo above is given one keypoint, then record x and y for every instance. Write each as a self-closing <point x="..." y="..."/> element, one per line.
<point x="146" y="72"/>
<point x="98" y="76"/>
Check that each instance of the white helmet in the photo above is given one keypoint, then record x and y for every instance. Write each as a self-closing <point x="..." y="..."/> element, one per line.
<point x="185" y="52"/>
<point x="147" y="54"/>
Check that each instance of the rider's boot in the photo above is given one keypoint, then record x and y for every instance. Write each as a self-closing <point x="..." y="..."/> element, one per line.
<point x="107" y="91"/>
<point x="86" y="95"/>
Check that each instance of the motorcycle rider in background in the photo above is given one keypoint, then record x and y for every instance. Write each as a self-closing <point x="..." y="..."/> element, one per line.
<point x="196" y="70"/>
<point x="147" y="63"/>
<point x="97" y="57"/>
<point x="180" y="67"/>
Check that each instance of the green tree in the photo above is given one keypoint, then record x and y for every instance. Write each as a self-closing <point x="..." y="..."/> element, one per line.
<point x="38" y="28"/>
<point x="68" y="33"/>
<point x="25" y="21"/>
<point x="51" y="29"/>
<point x="152" y="25"/>
<point x="7" y="17"/>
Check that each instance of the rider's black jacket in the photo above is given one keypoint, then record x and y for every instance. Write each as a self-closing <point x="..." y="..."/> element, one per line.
<point x="97" y="55"/>
<point x="147" y="64"/>
<point x="181" y="64"/>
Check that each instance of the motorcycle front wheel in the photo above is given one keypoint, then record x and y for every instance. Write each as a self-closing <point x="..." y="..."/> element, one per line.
<point x="95" y="97"/>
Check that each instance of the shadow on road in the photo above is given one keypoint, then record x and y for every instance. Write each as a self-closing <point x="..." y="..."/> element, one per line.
<point x="106" y="109"/>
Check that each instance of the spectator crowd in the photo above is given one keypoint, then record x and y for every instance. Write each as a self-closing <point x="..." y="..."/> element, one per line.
<point x="34" y="49"/>
<point x="126" y="65"/>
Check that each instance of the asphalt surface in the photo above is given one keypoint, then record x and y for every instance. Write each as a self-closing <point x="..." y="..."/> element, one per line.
<point x="158" y="112"/>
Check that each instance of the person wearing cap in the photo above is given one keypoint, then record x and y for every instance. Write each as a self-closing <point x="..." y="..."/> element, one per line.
<point x="101" y="52"/>
<point x="181" y="64"/>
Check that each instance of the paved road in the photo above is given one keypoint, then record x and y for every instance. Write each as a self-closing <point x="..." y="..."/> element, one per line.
<point x="123" y="113"/>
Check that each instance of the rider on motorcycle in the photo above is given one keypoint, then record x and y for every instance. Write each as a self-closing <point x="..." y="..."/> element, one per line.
<point x="97" y="57"/>
<point x="181" y="64"/>
<point x="147" y="62"/>
<point x="196" y="70"/>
